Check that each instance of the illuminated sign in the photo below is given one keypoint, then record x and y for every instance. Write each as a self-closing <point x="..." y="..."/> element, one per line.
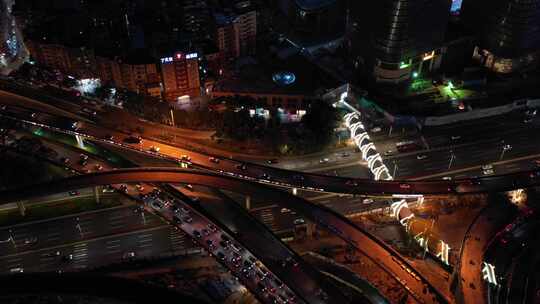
<point x="178" y="56"/>
<point x="489" y="273"/>
<point x="428" y="56"/>
<point x="166" y="59"/>
<point x="404" y="65"/>
<point x="443" y="252"/>
<point x="191" y="55"/>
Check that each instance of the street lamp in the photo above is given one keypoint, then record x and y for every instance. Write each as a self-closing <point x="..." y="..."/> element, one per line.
<point x="504" y="149"/>
<point x="452" y="157"/>
<point x="395" y="168"/>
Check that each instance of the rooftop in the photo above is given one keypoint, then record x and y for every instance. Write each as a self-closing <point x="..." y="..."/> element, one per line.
<point x="258" y="78"/>
<point x="310" y="5"/>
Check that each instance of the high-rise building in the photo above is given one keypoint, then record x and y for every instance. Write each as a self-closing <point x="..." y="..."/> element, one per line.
<point x="507" y="32"/>
<point x="180" y="74"/>
<point x="236" y="30"/>
<point x="314" y="21"/>
<point x="400" y="39"/>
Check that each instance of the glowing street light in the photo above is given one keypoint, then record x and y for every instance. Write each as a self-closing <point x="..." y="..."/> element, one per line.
<point x="415" y="74"/>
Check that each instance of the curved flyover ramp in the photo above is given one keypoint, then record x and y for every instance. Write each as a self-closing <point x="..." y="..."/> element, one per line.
<point x="277" y="176"/>
<point x="384" y="256"/>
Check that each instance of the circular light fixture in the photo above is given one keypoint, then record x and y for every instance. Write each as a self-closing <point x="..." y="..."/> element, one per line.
<point x="283" y="78"/>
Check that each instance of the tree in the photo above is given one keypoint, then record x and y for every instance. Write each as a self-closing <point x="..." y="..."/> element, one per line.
<point x="320" y="121"/>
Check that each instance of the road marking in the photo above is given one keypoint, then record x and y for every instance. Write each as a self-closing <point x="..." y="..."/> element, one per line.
<point x="79" y="243"/>
<point x="477" y="167"/>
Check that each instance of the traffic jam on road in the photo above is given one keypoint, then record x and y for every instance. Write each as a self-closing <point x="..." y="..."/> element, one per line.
<point x="230" y="253"/>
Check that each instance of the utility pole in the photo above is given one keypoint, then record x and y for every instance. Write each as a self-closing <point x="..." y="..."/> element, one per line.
<point x="504" y="149"/>
<point x="452" y="157"/>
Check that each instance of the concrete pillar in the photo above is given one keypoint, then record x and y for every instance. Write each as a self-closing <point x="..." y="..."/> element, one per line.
<point x="310" y="229"/>
<point x="97" y="190"/>
<point x="22" y="208"/>
<point x="248" y="202"/>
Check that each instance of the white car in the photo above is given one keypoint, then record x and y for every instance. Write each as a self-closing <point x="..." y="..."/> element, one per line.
<point x="487" y="167"/>
<point x="488" y="172"/>
<point x="367" y="201"/>
<point x="421" y="156"/>
<point x="323" y="160"/>
<point x="154" y="149"/>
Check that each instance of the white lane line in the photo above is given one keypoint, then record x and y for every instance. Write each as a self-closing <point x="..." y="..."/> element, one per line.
<point x="115" y="217"/>
<point x="145" y="245"/>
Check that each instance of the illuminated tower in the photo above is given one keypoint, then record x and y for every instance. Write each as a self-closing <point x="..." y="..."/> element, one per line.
<point x="406" y="36"/>
<point x="507" y="32"/>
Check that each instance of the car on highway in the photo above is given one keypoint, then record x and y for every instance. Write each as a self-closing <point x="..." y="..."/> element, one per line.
<point x="67" y="258"/>
<point x="299" y="221"/>
<point x="421" y="156"/>
<point x="213" y="160"/>
<point x="197" y="234"/>
<point x="108" y="137"/>
<point x="376" y="130"/>
<point x="455" y="137"/>
<point x="488" y="169"/>
<point x="83" y="157"/>
<point x="388" y="153"/>
<point x="187" y="219"/>
<point x="108" y="189"/>
<point x="185" y="157"/>
<point x="345" y="154"/>
<point x="83" y="162"/>
<point x="351" y="183"/>
<point x="154" y="149"/>
<point x="189" y="187"/>
<point x="323" y="160"/>
<point x="65" y="160"/>
<point x="488" y="172"/>
<point x="133" y="140"/>
<point x="220" y="256"/>
<point x="531" y="112"/>
<point x="241" y="167"/>
<point x="156" y="205"/>
<point x="447" y="178"/>
<point x="129" y="255"/>
<point x="527" y="120"/>
<point x="139" y="187"/>
<point x="16" y="270"/>
<point x="367" y="201"/>
<point x="31" y="241"/>
<point x="272" y="161"/>
<point x="74" y="193"/>
<point x="98" y="167"/>
<point x="211" y="227"/>
<point x="123" y="188"/>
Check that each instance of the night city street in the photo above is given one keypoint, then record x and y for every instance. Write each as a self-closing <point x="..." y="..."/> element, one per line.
<point x="273" y="152"/>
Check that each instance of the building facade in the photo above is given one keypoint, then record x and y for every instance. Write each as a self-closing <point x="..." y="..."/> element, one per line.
<point x="236" y="30"/>
<point x="180" y="74"/>
<point x="396" y="40"/>
<point x="314" y="21"/>
<point x="507" y="32"/>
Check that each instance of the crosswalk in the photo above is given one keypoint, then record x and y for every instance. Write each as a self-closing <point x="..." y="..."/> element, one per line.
<point x="178" y="239"/>
<point x="267" y="217"/>
<point x="80" y="256"/>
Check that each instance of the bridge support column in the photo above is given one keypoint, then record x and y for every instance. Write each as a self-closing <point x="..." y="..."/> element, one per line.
<point x="310" y="230"/>
<point x="22" y="208"/>
<point x="97" y="190"/>
<point x="248" y="202"/>
<point x="80" y="141"/>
